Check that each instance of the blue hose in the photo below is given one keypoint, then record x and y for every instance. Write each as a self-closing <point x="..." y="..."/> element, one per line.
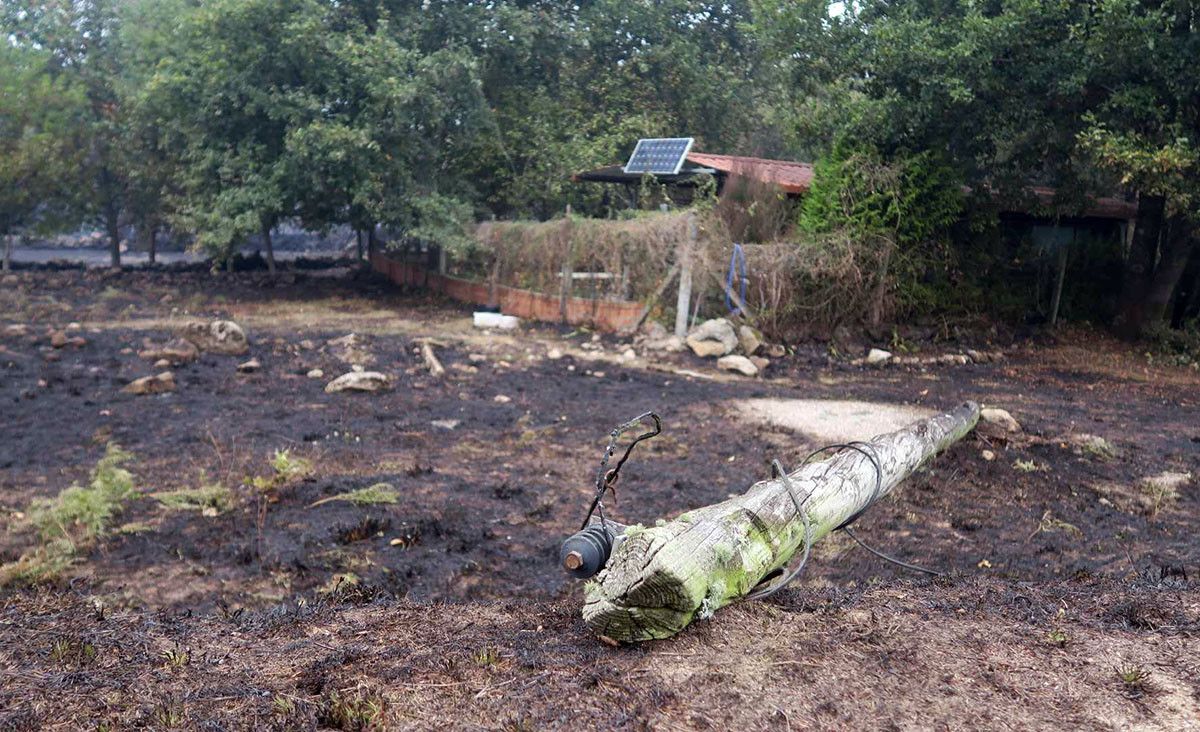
<point x="737" y="269"/>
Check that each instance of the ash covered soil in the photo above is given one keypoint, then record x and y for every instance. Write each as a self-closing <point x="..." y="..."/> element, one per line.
<point x="1071" y="599"/>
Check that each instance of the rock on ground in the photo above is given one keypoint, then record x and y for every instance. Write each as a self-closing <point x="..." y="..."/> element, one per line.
<point x="740" y="364"/>
<point x="250" y="366"/>
<point x="878" y="357"/>
<point x="368" y="381"/>
<point x="220" y="336"/>
<point x="749" y="339"/>
<point x="714" y="337"/>
<point x="157" y="384"/>
<point x="351" y="349"/>
<point x="1000" y="418"/>
<point x="177" y="351"/>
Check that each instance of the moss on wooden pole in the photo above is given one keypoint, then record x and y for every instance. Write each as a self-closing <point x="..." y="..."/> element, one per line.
<point x="662" y="578"/>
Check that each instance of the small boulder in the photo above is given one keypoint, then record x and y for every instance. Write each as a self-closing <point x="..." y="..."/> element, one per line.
<point x="162" y="363"/>
<point x="654" y="330"/>
<point x="315" y="374"/>
<point x="501" y="399"/>
<point x="554" y="354"/>
<point x="351" y="349"/>
<point x="249" y="367"/>
<point x="157" y="384"/>
<point x="749" y="339"/>
<point x="1001" y="418"/>
<point x="58" y="339"/>
<point x="177" y="351"/>
<point x="954" y="359"/>
<point x="714" y="337"/>
<point x="878" y="357"/>
<point x="669" y="344"/>
<point x="368" y="381"/>
<point x="16" y="330"/>
<point x="740" y="364"/>
<point x="760" y="362"/>
<point x="220" y="336"/>
<point x="774" y="350"/>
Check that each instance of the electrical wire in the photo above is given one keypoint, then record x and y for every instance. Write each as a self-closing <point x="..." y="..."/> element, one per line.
<point x="868" y="451"/>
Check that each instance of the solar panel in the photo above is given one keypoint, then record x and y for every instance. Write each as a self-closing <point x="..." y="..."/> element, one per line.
<point x="659" y="155"/>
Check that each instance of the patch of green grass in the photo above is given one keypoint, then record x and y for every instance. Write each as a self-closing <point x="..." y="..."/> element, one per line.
<point x="352" y="712"/>
<point x="211" y="500"/>
<point x="285" y="468"/>
<point x="72" y="520"/>
<point x="288" y="467"/>
<point x="369" y="496"/>
<point x="1028" y="466"/>
<point x="176" y="658"/>
<point x="487" y="658"/>
<point x="1135" y="680"/>
<point x="1049" y="523"/>
<point x="82" y="513"/>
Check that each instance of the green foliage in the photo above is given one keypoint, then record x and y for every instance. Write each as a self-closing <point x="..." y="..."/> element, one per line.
<point x="897" y="213"/>
<point x="211" y="499"/>
<point x="82" y="513"/>
<point x="379" y="493"/>
<point x="39" y="114"/>
<point x="73" y="520"/>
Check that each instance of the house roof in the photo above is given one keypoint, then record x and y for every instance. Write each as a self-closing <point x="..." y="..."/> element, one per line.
<point x="795" y="178"/>
<point x="791" y="177"/>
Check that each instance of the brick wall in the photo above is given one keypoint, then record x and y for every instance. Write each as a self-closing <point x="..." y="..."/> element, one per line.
<point x="604" y="315"/>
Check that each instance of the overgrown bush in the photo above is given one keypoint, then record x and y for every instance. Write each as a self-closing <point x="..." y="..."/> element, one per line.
<point x="893" y="216"/>
<point x="637" y="251"/>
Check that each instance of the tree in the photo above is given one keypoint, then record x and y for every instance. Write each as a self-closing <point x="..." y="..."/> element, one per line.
<point x="1146" y="130"/>
<point x="39" y="122"/>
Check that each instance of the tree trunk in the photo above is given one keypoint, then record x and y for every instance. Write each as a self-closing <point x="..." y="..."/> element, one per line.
<point x="879" y="292"/>
<point x="1139" y="268"/>
<point x="1177" y="248"/>
<point x="358" y="242"/>
<point x="266" y="235"/>
<point x="149" y="235"/>
<point x="660" y="579"/>
<point x="7" y="253"/>
<point x="1187" y="304"/>
<point x="112" y="226"/>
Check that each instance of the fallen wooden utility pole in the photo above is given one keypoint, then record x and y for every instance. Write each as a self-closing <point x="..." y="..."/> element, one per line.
<point x="659" y="579"/>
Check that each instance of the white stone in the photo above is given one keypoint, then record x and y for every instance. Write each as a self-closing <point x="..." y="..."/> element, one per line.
<point x="368" y="381"/>
<point x="1000" y="418"/>
<point x="740" y="364"/>
<point x="718" y="331"/>
<point x="878" y="357"/>
<point x="485" y="319"/>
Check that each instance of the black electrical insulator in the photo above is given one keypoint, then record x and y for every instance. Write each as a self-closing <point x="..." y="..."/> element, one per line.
<point x="586" y="552"/>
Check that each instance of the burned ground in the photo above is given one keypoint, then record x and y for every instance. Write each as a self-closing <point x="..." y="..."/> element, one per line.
<point x="1064" y="568"/>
